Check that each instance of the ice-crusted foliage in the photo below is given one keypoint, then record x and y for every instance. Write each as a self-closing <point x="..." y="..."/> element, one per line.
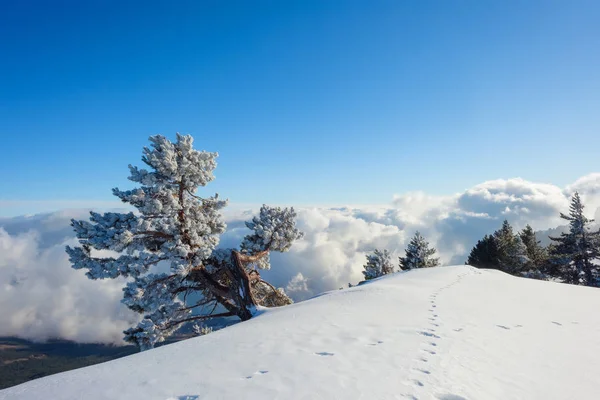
<point x="418" y="254"/>
<point x="274" y="229"/>
<point x="201" y="330"/>
<point x="379" y="263"/>
<point x="268" y="296"/>
<point x="156" y="326"/>
<point x="173" y="224"/>
<point x="176" y="227"/>
<point x="575" y="253"/>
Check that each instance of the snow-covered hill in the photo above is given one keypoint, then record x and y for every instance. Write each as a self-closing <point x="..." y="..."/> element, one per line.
<point x="440" y="333"/>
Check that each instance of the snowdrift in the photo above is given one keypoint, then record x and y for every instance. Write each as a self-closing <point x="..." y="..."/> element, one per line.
<point x="444" y="333"/>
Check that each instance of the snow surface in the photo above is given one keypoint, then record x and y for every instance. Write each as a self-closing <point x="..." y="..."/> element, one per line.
<point x="446" y="333"/>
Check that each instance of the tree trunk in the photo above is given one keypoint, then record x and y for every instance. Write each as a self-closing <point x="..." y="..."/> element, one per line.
<point x="241" y="292"/>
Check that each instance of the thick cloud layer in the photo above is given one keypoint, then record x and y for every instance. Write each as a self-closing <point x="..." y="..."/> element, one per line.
<point x="42" y="297"/>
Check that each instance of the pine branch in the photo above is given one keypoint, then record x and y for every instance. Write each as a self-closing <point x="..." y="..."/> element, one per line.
<point x="197" y="318"/>
<point x="155" y="233"/>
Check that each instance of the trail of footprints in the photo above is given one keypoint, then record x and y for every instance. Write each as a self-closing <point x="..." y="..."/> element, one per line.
<point x="428" y="349"/>
<point x="429" y="345"/>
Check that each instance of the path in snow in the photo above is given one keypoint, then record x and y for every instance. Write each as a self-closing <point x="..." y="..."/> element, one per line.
<point x="419" y="374"/>
<point x="448" y="333"/>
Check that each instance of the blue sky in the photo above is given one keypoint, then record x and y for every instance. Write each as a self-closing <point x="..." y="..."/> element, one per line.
<point x="307" y="102"/>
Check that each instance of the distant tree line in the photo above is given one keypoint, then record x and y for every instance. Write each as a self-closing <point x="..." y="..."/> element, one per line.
<point x="571" y="258"/>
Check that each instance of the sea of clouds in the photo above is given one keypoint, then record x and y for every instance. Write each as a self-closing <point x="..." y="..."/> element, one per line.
<point x="42" y="297"/>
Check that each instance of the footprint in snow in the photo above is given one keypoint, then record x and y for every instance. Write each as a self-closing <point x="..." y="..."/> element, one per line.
<point x="422" y="371"/>
<point x="262" y="372"/>
<point x="429" y="334"/>
<point x="324" y="354"/>
<point x="518" y="326"/>
<point x="375" y="344"/>
<point x="186" y="397"/>
<point x="557" y="323"/>
<point x="450" y="397"/>
<point x="503" y="327"/>
<point x="415" y="382"/>
<point x="458" y="330"/>
<point x="429" y="351"/>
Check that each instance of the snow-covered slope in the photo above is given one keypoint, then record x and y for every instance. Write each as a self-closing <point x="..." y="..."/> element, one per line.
<point x="440" y="333"/>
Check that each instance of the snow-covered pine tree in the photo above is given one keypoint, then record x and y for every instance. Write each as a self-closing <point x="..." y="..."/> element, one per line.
<point x="418" y="254"/>
<point x="512" y="254"/>
<point x="484" y="254"/>
<point x="379" y="263"/>
<point x="537" y="256"/>
<point x="176" y="228"/>
<point x="574" y="252"/>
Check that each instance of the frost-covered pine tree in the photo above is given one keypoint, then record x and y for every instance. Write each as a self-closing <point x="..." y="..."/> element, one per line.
<point x="512" y="253"/>
<point x="175" y="229"/>
<point x="379" y="263"/>
<point x="418" y="254"/>
<point x="574" y="252"/>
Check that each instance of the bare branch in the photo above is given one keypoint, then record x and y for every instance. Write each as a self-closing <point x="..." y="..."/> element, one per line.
<point x="197" y="318"/>
<point x="245" y="258"/>
<point x="155" y="233"/>
<point x="269" y="285"/>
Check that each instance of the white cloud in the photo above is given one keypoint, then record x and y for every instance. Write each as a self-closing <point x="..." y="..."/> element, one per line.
<point x="42" y="296"/>
<point x="588" y="184"/>
<point x="297" y="284"/>
<point x="589" y="188"/>
<point x="515" y="199"/>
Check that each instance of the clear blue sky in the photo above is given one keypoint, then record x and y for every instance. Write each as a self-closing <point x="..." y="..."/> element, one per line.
<point x="307" y="102"/>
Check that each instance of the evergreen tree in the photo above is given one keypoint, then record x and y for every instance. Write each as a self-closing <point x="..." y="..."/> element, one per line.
<point x="175" y="227"/>
<point x="379" y="263"/>
<point x="575" y="251"/>
<point x="536" y="254"/>
<point x="512" y="254"/>
<point x="554" y="264"/>
<point x="418" y="254"/>
<point x="484" y="254"/>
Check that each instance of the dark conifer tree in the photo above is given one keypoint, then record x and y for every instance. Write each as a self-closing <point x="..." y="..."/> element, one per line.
<point x="484" y="254"/>
<point x="512" y="254"/>
<point x="575" y="251"/>
<point x="536" y="253"/>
